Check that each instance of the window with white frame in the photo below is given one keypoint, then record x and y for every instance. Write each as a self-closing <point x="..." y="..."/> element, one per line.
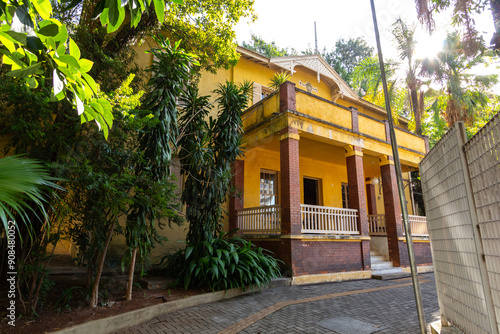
<point x="268" y="188"/>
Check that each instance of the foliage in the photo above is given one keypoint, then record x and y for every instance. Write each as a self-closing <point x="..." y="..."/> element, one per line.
<point x="367" y="81"/>
<point x="207" y="28"/>
<point x="23" y="187"/>
<point x="206" y="151"/>
<point x="404" y="36"/>
<point x="29" y="43"/>
<point x="171" y="71"/>
<point x="347" y="55"/>
<point x="278" y="79"/>
<point x="268" y="49"/>
<point x="463" y="11"/>
<point x="463" y="93"/>
<point x="32" y="38"/>
<point x="226" y="263"/>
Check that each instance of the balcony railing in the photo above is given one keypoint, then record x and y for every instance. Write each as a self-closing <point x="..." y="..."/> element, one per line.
<point x="319" y="219"/>
<point x="262" y="219"/>
<point x="323" y="219"/>
<point x="377" y="224"/>
<point x="418" y="225"/>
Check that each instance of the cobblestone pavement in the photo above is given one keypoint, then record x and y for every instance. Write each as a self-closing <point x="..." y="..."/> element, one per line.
<point x="366" y="306"/>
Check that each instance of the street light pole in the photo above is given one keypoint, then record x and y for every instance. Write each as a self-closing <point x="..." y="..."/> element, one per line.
<point x="399" y="178"/>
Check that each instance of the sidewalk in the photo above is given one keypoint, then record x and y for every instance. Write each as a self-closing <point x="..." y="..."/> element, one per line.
<point x="354" y="307"/>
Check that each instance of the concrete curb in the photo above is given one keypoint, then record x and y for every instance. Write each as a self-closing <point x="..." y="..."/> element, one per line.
<point x="132" y="318"/>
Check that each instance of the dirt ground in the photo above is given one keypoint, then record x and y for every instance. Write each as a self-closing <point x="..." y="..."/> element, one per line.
<point x="65" y="306"/>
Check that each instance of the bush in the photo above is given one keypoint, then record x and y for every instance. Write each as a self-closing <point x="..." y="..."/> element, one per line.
<point x="224" y="263"/>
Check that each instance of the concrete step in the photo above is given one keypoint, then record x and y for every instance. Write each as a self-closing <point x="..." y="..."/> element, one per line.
<point x="382" y="265"/>
<point x="389" y="271"/>
<point x="377" y="258"/>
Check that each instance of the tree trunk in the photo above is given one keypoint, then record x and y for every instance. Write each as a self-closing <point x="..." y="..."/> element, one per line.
<point x="131" y="269"/>
<point x="95" y="289"/>
<point x="419" y="113"/>
<point x="495" y="11"/>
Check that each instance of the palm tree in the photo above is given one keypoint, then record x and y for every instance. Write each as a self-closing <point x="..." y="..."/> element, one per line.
<point x="367" y="82"/>
<point x="463" y="11"/>
<point x="464" y="92"/>
<point x="22" y="184"/>
<point x="405" y="43"/>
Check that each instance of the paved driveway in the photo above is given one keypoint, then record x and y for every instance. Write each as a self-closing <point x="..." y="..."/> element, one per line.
<point x="354" y="307"/>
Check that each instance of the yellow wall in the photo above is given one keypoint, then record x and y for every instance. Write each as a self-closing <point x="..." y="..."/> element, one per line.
<point x="323" y="110"/>
<point x="331" y="170"/>
<point x="247" y="70"/>
<point x="306" y="75"/>
<point x="379" y="193"/>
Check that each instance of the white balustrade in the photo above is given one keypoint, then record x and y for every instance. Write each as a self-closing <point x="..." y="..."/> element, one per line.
<point x="323" y="219"/>
<point x="377" y="224"/>
<point x="262" y="219"/>
<point x="418" y="226"/>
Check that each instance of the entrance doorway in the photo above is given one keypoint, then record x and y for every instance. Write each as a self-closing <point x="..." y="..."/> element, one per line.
<point x="311" y="191"/>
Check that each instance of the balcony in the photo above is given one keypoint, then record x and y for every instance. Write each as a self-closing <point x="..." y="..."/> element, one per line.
<point x="319" y="220"/>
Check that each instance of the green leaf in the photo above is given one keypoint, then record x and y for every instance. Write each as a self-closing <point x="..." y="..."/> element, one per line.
<point x="85" y="65"/>
<point x="34" y="44"/>
<point x="7" y="42"/>
<point x="192" y="265"/>
<point x="70" y="60"/>
<point x="114" y="12"/>
<point x="209" y="247"/>
<point x="98" y="9"/>
<point x="17" y="36"/>
<point x="32" y="82"/>
<point x="49" y="30"/>
<point x="90" y="81"/>
<point x="74" y="50"/>
<point x="25" y="71"/>
<point x="159" y="9"/>
<point x="179" y="2"/>
<point x="62" y="36"/>
<point x="43" y="7"/>
<point x="189" y="250"/>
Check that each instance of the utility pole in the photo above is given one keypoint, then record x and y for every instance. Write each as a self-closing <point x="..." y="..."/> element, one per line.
<point x="399" y="178"/>
<point x="315" y="39"/>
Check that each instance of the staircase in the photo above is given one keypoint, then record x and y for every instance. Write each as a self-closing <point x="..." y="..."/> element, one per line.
<point x="383" y="269"/>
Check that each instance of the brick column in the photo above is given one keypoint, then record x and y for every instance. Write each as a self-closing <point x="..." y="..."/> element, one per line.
<point x="290" y="182"/>
<point x="371" y="198"/>
<point x="354" y="119"/>
<point x="392" y="208"/>
<point x="236" y="200"/>
<point x="357" y="198"/>
<point x="287" y="96"/>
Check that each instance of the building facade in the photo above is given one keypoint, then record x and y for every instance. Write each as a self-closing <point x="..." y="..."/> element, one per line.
<point x="317" y="185"/>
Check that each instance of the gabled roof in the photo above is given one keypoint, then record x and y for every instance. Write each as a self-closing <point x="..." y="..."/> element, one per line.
<point x="317" y="64"/>
<point x="324" y="71"/>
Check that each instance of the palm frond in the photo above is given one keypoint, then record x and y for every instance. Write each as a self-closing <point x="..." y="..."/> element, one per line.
<point x="23" y="181"/>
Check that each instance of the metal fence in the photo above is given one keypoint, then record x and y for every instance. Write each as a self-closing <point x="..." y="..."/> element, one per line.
<point x="461" y="185"/>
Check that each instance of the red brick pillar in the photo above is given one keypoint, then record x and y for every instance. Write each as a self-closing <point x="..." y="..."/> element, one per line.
<point x="392" y="208"/>
<point x="371" y="198"/>
<point x="287" y="96"/>
<point x="357" y="198"/>
<point x="291" y="222"/>
<point x="290" y="182"/>
<point x="354" y="119"/>
<point x="236" y="200"/>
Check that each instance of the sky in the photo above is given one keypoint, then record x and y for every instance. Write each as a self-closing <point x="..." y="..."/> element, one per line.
<point x="290" y="23"/>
